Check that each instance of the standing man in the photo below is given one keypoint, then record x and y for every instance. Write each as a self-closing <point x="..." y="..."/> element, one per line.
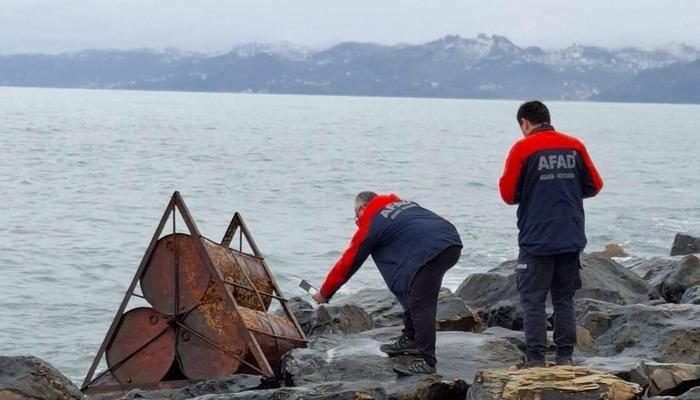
<point x="412" y="248"/>
<point x="548" y="174"/>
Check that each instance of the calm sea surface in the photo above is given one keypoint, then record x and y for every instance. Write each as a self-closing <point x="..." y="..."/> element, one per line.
<point x="85" y="176"/>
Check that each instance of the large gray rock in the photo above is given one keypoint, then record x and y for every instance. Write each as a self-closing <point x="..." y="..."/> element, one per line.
<point x="664" y="379"/>
<point x="452" y="313"/>
<point x="684" y="245"/>
<point x="329" y="318"/>
<point x="357" y="357"/>
<point x="691" y="295"/>
<point x="31" y="378"/>
<point x="324" y="391"/>
<point x="234" y="384"/>
<point x="664" y="333"/>
<point x="495" y="294"/>
<point x="342" y="319"/>
<point x="380" y="304"/>
<point x="671" y="276"/>
<point x="419" y="388"/>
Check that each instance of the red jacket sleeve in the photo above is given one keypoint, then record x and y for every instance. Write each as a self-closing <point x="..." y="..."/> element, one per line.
<point x="511" y="174"/>
<point x="351" y="261"/>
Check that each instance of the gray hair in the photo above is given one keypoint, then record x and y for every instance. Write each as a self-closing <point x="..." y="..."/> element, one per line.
<point x="363" y="198"/>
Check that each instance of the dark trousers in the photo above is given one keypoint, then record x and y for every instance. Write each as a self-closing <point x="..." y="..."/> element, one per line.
<point x="419" y="318"/>
<point x="538" y="275"/>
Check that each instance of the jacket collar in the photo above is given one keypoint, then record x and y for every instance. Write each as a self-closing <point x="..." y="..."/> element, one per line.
<point x="542" y="128"/>
<point x="375" y="205"/>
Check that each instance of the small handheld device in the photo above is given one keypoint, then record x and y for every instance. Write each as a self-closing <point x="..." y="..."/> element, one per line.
<point x="304" y="284"/>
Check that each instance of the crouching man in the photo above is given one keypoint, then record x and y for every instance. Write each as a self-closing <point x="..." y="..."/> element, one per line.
<point x="413" y="248"/>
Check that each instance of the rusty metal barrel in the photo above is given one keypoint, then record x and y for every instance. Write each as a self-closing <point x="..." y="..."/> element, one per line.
<point x="215" y="344"/>
<point x="143" y="348"/>
<point x="245" y="275"/>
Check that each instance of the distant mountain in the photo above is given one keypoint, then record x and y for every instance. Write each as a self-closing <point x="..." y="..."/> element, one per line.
<point x="489" y="67"/>
<point x="676" y="83"/>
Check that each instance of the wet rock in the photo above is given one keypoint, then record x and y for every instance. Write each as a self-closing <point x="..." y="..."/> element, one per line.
<point x="28" y="377"/>
<point x="684" y="245"/>
<point x="328" y="318"/>
<point x="671" y="276"/>
<point x="234" y="384"/>
<point x="571" y="383"/>
<point x="664" y="333"/>
<point x="324" y="391"/>
<point x="344" y="319"/>
<point x="303" y="311"/>
<point x="691" y="295"/>
<point x="380" y="304"/>
<point x="666" y="379"/>
<point x="619" y="366"/>
<point x="357" y="358"/>
<point x="454" y="315"/>
<point x="496" y="298"/>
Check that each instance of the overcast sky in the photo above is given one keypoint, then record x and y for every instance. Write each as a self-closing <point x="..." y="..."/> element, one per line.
<point x="211" y="25"/>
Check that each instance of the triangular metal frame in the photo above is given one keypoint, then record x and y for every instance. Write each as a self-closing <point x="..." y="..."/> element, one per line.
<point x="177" y="203"/>
<point x="237" y="223"/>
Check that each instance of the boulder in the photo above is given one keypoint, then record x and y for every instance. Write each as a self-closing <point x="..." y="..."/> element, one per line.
<point x="233" y="384"/>
<point x="413" y="388"/>
<point x="619" y="366"/>
<point x="328" y="318"/>
<point x="664" y="333"/>
<point x="325" y="391"/>
<point x="342" y="319"/>
<point x="684" y="245"/>
<point x="357" y="358"/>
<point x="380" y="304"/>
<point x="691" y="295"/>
<point x="671" y="276"/>
<point x="452" y="313"/>
<point x="28" y="377"/>
<point x="303" y="311"/>
<point x="666" y="379"/>
<point x="570" y="383"/>
<point x="495" y="294"/>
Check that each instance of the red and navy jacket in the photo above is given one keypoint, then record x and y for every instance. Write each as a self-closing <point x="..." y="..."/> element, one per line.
<point x="548" y="174"/>
<point x="400" y="236"/>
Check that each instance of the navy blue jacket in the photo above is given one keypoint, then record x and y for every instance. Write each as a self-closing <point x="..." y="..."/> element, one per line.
<point x="401" y="236"/>
<point x="549" y="174"/>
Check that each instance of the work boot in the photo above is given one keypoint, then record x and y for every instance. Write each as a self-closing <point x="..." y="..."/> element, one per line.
<point x="399" y="345"/>
<point x="564" y="361"/>
<point x="419" y="366"/>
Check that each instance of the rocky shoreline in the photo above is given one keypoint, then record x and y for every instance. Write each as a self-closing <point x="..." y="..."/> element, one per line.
<point x="638" y="337"/>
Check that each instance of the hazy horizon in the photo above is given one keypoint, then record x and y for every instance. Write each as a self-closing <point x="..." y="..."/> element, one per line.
<point x="213" y="26"/>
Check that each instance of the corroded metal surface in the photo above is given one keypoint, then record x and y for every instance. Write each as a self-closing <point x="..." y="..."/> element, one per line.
<point x="158" y="281"/>
<point x="243" y="273"/>
<point x="143" y="348"/>
<point x="274" y="334"/>
<point x="200" y="358"/>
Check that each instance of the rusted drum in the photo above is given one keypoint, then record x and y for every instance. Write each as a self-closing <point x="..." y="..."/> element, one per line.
<point x="241" y="270"/>
<point x="275" y="335"/>
<point x="143" y="348"/>
<point x="202" y="360"/>
<point x="199" y="359"/>
<point x="158" y="280"/>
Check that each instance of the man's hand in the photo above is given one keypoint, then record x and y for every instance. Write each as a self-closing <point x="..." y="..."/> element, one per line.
<point x="319" y="298"/>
